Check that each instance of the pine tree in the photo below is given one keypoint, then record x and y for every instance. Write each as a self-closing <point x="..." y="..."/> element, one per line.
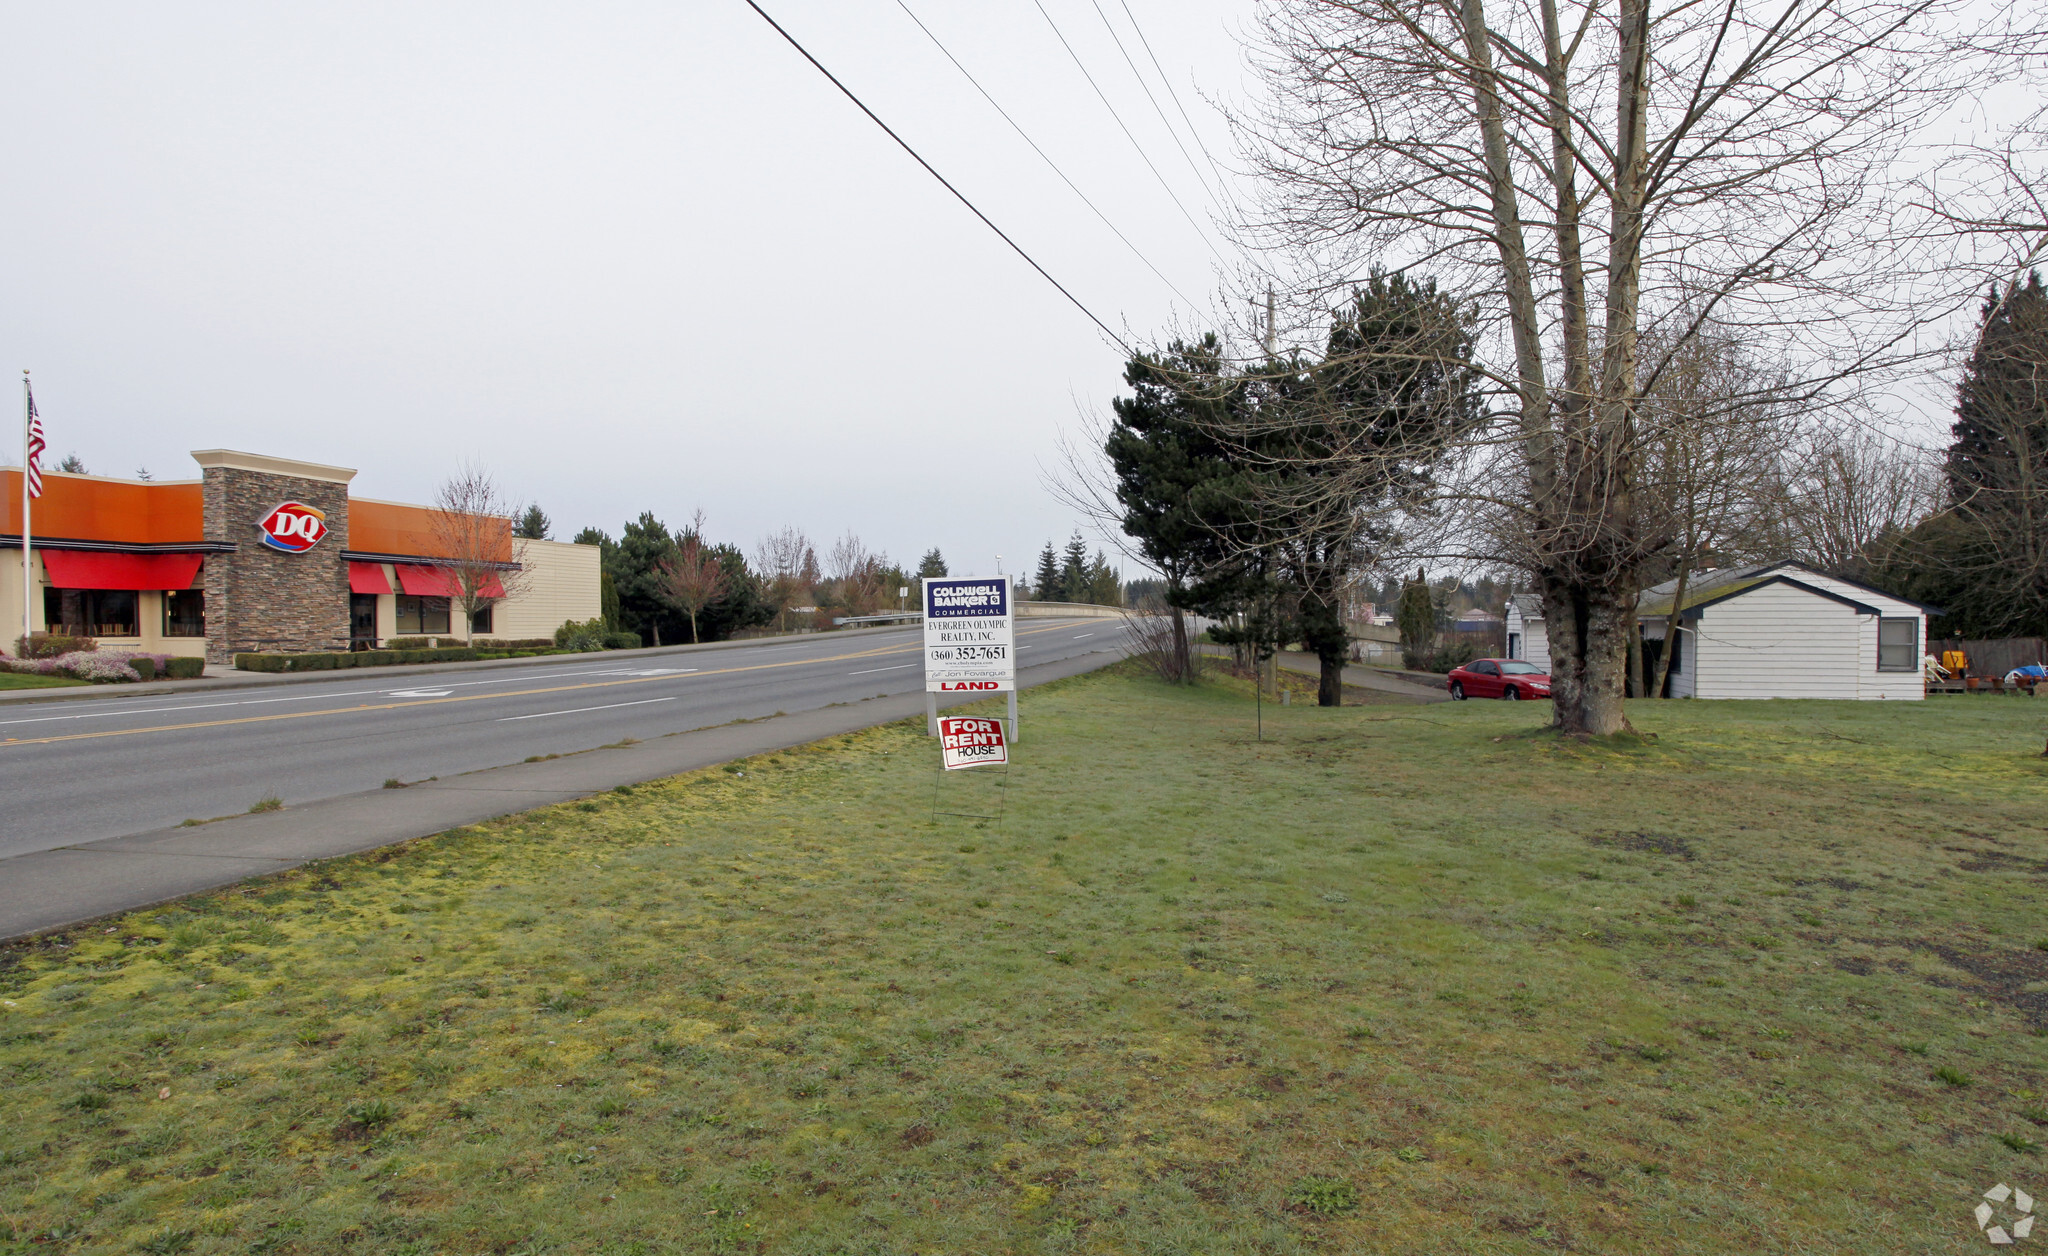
<point x="534" y="524"/>
<point x="932" y="565"/>
<point x="1986" y="563"/>
<point x="1073" y="584"/>
<point x="1045" y="584"/>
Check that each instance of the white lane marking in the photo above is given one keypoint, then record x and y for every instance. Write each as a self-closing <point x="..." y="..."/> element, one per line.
<point x="541" y="715"/>
<point x="872" y="670"/>
<point x="1084" y="634"/>
<point x="297" y="697"/>
<point x="649" y="671"/>
<point x="418" y="693"/>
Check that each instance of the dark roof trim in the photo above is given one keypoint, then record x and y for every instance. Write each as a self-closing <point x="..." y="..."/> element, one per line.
<point x="420" y="560"/>
<point x="13" y="541"/>
<point x="1925" y="609"/>
<point x="1693" y="611"/>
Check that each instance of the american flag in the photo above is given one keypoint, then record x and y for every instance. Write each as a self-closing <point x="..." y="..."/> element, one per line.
<point x="35" y="448"/>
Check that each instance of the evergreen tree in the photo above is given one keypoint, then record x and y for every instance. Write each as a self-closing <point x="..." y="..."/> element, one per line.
<point x="1174" y="479"/>
<point x="1984" y="560"/>
<point x="74" y="464"/>
<point x="932" y="565"/>
<point x="1416" y="618"/>
<point x="1045" y="583"/>
<point x="534" y="524"/>
<point x="1073" y="585"/>
<point x="1104" y="589"/>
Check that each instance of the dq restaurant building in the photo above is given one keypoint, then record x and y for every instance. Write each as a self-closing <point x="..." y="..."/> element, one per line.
<point x="261" y="554"/>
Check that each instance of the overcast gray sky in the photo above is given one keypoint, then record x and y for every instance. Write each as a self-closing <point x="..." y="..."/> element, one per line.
<point x="628" y="256"/>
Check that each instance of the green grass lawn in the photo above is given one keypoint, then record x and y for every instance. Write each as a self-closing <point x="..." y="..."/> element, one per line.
<point x="1399" y="979"/>
<point x="27" y="680"/>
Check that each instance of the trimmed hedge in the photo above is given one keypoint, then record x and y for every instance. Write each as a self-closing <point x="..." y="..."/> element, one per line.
<point x="360" y="658"/>
<point x="622" y="641"/>
<point x="145" y="667"/>
<point x="524" y="643"/>
<point x="185" y="668"/>
<point x="408" y="643"/>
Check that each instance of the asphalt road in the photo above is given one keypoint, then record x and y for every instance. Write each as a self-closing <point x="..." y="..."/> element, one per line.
<point x="73" y="772"/>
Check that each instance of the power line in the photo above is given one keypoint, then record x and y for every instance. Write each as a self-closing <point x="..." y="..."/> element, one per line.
<point x="1126" y="130"/>
<point x="931" y="170"/>
<point x="1118" y="40"/>
<point x="1042" y="153"/>
<point x="1206" y="154"/>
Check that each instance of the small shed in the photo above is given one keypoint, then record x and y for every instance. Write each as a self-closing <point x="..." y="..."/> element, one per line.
<point x="1527" y="639"/>
<point x="1786" y="630"/>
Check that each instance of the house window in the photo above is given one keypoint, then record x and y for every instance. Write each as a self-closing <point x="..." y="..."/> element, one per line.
<point x="421" y="616"/>
<point x="1898" y="645"/>
<point x="480" y="623"/>
<point x="185" y="613"/>
<point x="91" y="612"/>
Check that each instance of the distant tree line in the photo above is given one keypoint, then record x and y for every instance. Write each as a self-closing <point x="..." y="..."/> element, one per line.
<point x="678" y="585"/>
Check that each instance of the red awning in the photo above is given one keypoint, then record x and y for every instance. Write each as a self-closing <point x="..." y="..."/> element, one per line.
<point x="79" y="569"/>
<point x="419" y="578"/>
<point x="367" y="578"/>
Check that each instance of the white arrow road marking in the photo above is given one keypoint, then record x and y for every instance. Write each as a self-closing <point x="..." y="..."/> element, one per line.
<point x="541" y="715"/>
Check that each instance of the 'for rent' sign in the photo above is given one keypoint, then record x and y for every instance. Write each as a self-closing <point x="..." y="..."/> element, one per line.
<point x="969" y="643"/>
<point x="966" y="743"/>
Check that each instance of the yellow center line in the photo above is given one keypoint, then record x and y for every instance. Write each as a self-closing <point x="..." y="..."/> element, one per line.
<point x="471" y="697"/>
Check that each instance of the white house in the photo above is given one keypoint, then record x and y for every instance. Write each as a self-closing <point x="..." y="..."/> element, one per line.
<point x="1526" y="638"/>
<point x="1782" y="630"/>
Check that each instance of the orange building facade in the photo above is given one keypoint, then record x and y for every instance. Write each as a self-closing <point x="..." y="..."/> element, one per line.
<point x="260" y="554"/>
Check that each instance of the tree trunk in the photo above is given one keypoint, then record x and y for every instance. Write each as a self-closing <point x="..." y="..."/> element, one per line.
<point x="1588" y="653"/>
<point x="1183" y="664"/>
<point x="693" y="628"/>
<point x="1635" y="655"/>
<point x="1330" y="683"/>
<point x="1662" y="688"/>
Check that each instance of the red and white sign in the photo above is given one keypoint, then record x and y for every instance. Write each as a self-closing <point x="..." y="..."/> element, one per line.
<point x="293" y="527"/>
<point x="966" y="743"/>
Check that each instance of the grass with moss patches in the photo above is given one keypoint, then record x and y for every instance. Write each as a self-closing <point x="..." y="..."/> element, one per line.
<point x="1394" y="980"/>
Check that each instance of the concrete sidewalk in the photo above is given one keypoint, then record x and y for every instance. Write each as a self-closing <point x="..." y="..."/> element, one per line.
<point x="218" y="677"/>
<point x="51" y="889"/>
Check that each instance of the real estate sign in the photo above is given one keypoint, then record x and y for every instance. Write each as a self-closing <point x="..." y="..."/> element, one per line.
<point x="969" y="642"/>
<point x="966" y="743"/>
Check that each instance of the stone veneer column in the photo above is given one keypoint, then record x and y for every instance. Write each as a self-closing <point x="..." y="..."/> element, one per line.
<point x="263" y="599"/>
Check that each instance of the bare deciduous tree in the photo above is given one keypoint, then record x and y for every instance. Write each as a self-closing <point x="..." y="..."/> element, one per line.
<point x="857" y="571"/>
<point x="1847" y="494"/>
<point x="693" y="577"/>
<point x="788" y="568"/>
<point x="1589" y="172"/>
<point x="471" y="525"/>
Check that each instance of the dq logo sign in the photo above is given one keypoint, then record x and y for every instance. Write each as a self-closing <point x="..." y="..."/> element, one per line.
<point x="293" y="527"/>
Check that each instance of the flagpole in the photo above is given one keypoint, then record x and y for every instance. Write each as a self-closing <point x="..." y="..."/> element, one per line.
<point x="27" y="568"/>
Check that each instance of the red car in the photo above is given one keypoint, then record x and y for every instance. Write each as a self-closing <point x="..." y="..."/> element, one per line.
<point x="1498" y="678"/>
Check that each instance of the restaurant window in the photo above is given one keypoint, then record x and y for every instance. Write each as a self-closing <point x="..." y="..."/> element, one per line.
<point x="480" y="623"/>
<point x="421" y="616"/>
<point x="185" y="613"/>
<point x="1898" y="645"/>
<point x="91" y="612"/>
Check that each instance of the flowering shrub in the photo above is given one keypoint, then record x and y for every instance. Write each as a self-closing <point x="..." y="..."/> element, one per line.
<point x="93" y="665"/>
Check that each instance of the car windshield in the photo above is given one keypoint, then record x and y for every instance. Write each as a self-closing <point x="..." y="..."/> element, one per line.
<point x="1521" y="669"/>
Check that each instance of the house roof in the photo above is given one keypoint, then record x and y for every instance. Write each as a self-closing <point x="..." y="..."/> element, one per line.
<point x="1737" y="588"/>
<point x="1706" y="587"/>
<point x="1529" y="604"/>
